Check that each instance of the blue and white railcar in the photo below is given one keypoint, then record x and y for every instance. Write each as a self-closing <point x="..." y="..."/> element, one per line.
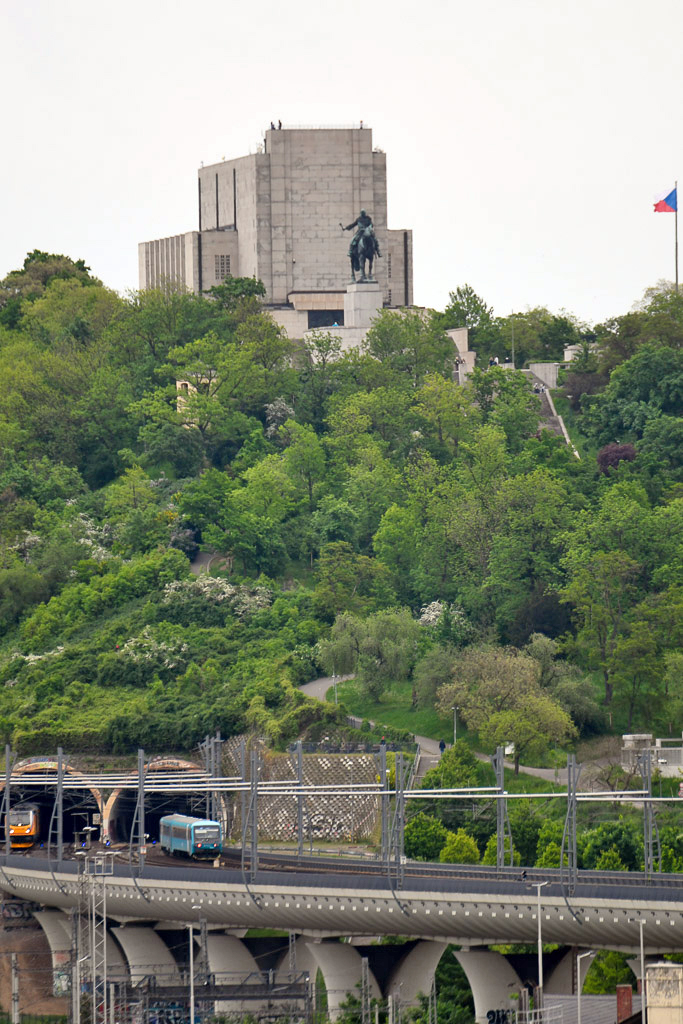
<point x="190" y="837"/>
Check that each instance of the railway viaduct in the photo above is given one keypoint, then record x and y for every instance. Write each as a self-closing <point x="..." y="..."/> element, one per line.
<point x="319" y="900"/>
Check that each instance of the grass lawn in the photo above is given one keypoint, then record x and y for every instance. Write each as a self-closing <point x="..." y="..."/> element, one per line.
<point x="394" y="708"/>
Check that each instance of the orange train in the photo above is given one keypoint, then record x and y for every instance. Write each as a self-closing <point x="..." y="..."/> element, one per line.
<point x="24" y="825"/>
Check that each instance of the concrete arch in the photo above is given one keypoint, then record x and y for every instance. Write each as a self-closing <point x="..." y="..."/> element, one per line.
<point x="160" y="764"/>
<point x="340" y="964"/>
<point x="229" y="956"/>
<point x="492" y="980"/>
<point x="57" y="929"/>
<point x="560" y="981"/>
<point x="147" y="953"/>
<point x="415" y="972"/>
<point x="50" y="766"/>
<point x="305" y="961"/>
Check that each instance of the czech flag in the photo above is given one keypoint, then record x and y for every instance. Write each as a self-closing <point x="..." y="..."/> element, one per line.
<point x="668" y="203"/>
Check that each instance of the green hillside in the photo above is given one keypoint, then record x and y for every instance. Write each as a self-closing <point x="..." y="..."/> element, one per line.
<point x="367" y="515"/>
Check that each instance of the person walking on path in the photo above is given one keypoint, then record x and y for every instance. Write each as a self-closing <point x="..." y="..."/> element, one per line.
<point x="442" y="746"/>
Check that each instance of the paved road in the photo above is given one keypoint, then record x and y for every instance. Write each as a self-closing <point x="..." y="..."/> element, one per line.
<point x="429" y="748"/>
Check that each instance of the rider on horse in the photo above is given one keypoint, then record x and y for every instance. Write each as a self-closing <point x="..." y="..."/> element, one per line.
<point x="363" y="221"/>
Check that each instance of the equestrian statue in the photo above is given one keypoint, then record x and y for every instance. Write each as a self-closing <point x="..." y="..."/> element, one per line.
<point x="364" y="247"/>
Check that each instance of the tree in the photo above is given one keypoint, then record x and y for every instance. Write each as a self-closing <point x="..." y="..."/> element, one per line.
<point x="431" y="672"/>
<point x="612" y="454"/>
<point x="490" y="856"/>
<point x="459" y="848"/>
<point x="646" y="386"/>
<point x="601" y="591"/>
<point x="425" y="837"/>
<point x="609" y="860"/>
<point x="379" y="649"/>
<point x="458" y="768"/>
<point x="411" y="344"/>
<point x="531" y="726"/>
<point x="621" y="836"/>
<point x="487" y="680"/>
<point x="21" y="287"/>
<point x="505" y="398"/>
<point x="446" y="409"/>
<point x="350" y="582"/>
<point x="498" y="693"/>
<point x="304" y="457"/>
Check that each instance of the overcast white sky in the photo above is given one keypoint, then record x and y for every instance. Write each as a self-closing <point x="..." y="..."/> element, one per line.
<point x="525" y="140"/>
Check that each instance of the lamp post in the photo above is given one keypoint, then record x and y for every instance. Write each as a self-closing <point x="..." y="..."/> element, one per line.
<point x="643" y="986"/>
<point x="538" y="886"/>
<point x="643" y="997"/>
<point x="190" y="929"/>
<point x="455" y="726"/>
<point x="579" y="982"/>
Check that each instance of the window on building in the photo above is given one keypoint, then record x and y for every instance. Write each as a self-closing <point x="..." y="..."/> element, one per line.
<point x="325" y="318"/>
<point x="221" y="266"/>
<point x="389" y="266"/>
<point x="389" y="297"/>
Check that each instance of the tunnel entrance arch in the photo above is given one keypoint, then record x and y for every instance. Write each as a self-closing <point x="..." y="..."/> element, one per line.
<point x="34" y="781"/>
<point x="120" y="810"/>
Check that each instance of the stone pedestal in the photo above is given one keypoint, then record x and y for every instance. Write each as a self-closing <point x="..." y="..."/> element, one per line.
<point x="362" y="303"/>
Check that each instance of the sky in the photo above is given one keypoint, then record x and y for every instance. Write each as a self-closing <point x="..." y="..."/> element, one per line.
<point x="526" y="141"/>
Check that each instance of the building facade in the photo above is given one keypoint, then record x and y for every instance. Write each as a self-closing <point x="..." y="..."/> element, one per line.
<point x="276" y="216"/>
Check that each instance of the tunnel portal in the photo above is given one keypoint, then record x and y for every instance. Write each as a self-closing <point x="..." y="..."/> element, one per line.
<point x="82" y="805"/>
<point x="122" y="811"/>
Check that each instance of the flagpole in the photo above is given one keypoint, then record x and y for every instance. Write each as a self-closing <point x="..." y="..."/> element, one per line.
<point x="676" y="236"/>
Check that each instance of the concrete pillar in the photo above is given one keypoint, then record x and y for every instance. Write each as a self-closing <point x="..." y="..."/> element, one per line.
<point x="414" y="973"/>
<point x="560" y="980"/>
<point x="147" y="953"/>
<point x="340" y="964"/>
<point x="57" y="929"/>
<point x="228" y="957"/>
<point x="492" y="980"/>
<point x="362" y="303"/>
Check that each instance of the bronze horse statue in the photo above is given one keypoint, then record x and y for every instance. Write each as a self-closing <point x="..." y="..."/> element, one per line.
<point x="364" y="251"/>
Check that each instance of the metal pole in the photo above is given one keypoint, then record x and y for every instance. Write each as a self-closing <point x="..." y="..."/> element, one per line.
<point x="643" y="986"/>
<point x="75" y="965"/>
<point x="512" y="322"/>
<point x="300" y="799"/>
<point x="579" y="983"/>
<point x="539" y="886"/>
<point x="60" y="806"/>
<point x="243" y="778"/>
<point x="8" y="776"/>
<point x="455" y="726"/>
<point x="676" y="228"/>
<point x="384" y="799"/>
<point x="141" y="808"/>
<point x="15" y="990"/>
<point x="190" y="929"/>
<point x="253" y="868"/>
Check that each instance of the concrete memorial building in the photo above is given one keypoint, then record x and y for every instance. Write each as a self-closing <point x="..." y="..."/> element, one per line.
<point x="276" y="215"/>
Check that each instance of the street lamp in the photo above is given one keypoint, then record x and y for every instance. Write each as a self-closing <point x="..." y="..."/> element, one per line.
<point x="455" y="725"/>
<point x="579" y="982"/>
<point x="538" y="886"/>
<point x="190" y="929"/>
<point x="643" y="996"/>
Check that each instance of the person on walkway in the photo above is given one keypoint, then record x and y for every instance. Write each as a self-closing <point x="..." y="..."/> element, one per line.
<point x="442" y="746"/>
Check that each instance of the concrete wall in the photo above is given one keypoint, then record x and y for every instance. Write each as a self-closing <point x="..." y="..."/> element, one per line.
<point x="664" y="994"/>
<point x="168" y="261"/>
